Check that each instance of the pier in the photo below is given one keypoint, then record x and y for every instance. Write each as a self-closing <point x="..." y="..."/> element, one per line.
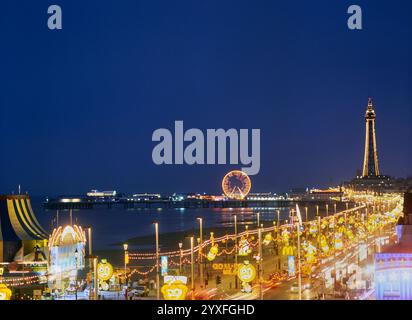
<point x="166" y="203"/>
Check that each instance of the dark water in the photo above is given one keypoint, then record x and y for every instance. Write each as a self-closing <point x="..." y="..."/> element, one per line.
<point x="117" y="224"/>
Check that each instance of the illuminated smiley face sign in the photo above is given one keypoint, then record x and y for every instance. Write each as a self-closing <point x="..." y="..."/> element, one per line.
<point x="104" y="270"/>
<point x="268" y="239"/>
<point x="212" y="252"/>
<point x="5" y="293"/>
<point x="175" y="290"/>
<point x="246" y="272"/>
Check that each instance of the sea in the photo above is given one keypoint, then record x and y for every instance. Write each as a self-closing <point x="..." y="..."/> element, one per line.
<point x="113" y="226"/>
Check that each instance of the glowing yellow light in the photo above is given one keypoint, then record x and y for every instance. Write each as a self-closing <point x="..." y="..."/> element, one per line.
<point x="268" y="239"/>
<point x="212" y="252"/>
<point x="174" y="290"/>
<point x="104" y="270"/>
<point x="244" y="247"/>
<point x="5" y="293"/>
<point x="246" y="272"/>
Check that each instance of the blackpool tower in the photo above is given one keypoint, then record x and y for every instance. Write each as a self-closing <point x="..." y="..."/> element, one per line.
<point x="370" y="160"/>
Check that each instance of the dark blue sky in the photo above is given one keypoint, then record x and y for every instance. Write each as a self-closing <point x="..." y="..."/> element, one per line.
<point x="78" y="106"/>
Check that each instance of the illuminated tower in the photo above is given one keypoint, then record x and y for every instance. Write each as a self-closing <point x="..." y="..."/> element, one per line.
<point x="370" y="161"/>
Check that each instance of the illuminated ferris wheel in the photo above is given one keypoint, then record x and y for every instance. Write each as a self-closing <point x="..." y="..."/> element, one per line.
<point x="236" y="185"/>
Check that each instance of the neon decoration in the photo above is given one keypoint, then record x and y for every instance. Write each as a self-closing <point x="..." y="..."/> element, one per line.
<point x="236" y="185"/>
<point x="104" y="270"/>
<point x="67" y="249"/>
<point x="246" y="272"/>
<point x="268" y="239"/>
<point x="5" y="293"/>
<point x="244" y="247"/>
<point x="291" y="266"/>
<point x="246" y="287"/>
<point x="288" y="250"/>
<point x="313" y="228"/>
<point x="310" y="253"/>
<point x="212" y="252"/>
<point x="164" y="265"/>
<point x="174" y="290"/>
<point x="324" y="244"/>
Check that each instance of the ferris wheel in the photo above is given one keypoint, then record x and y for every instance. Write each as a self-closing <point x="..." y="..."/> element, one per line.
<point x="236" y="185"/>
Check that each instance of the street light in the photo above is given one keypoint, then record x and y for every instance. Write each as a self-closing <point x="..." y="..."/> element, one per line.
<point x="76" y="257"/>
<point x="306" y="213"/>
<point x="327" y="210"/>
<point x="260" y="264"/>
<point x="200" y="249"/>
<point x="317" y="210"/>
<point x="278" y="211"/>
<point x="299" y="264"/>
<point x="258" y="219"/>
<point x="192" y="268"/>
<point x="126" y="260"/>
<point x="89" y="258"/>
<point x="89" y="235"/>
<point x="235" y="222"/>
<point x="181" y="257"/>
<point x="156" y="224"/>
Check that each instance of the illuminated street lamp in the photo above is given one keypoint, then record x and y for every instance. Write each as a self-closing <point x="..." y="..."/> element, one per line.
<point x="306" y="213"/>
<point x="258" y="219"/>
<point x="126" y="261"/>
<point x="278" y="211"/>
<point x="317" y="210"/>
<point x="334" y="206"/>
<point x="156" y="224"/>
<point x="89" y="235"/>
<point x="181" y="257"/>
<point x="299" y="264"/>
<point x="235" y="223"/>
<point x="327" y="210"/>
<point x="192" y="268"/>
<point x="90" y="258"/>
<point x="200" y="249"/>
<point x="260" y="261"/>
<point x="76" y="257"/>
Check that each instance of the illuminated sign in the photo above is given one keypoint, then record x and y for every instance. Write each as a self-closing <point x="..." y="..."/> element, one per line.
<point x="226" y="268"/>
<point x="291" y="266"/>
<point x="246" y="272"/>
<point x="244" y="247"/>
<point x="5" y="293"/>
<point x="67" y="249"/>
<point x="164" y="265"/>
<point x="174" y="290"/>
<point x="268" y="239"/>
<point x="212" y="252"/>
<point x="104" y="270"/>
<point x="170" y="279"/>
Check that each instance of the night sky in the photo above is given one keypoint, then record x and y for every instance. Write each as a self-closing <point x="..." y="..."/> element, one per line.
<point x="78" y="106"/>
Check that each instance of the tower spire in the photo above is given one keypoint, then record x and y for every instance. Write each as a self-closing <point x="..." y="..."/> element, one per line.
<point x="370" y="103"/>
<point x="370" y="161"/>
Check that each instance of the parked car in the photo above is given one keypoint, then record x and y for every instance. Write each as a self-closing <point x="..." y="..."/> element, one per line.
<point x="138" y="291"/>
